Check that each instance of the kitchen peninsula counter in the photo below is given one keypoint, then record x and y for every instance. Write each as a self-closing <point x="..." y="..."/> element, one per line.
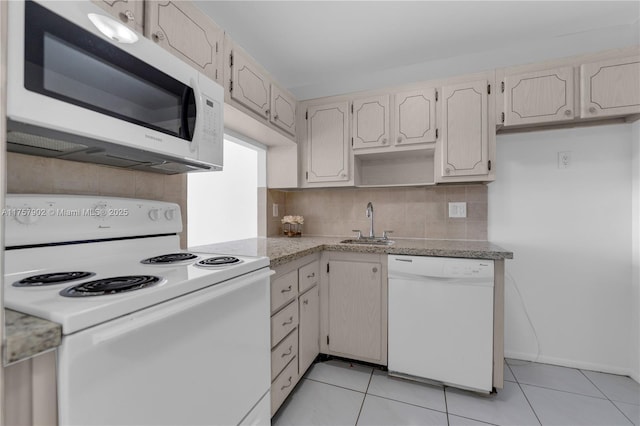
<point x="281" y="250"/>
<point x="27" y="336"/>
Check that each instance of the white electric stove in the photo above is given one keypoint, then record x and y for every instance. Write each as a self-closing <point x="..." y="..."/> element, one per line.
<point x="164" y="335"/>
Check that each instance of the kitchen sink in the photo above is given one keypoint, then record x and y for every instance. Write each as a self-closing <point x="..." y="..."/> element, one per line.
<point x="369" y="241"/>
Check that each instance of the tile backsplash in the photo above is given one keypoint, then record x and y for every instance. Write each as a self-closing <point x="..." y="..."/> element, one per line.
<point x="408" y="212"/>
<point x="40" y="175"/>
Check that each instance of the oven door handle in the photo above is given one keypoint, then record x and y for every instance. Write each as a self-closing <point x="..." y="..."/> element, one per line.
<point x="137" y="321"/>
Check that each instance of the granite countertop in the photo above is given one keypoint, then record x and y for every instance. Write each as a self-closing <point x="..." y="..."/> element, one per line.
<point x="282" y="250"/>
<point x="28" y="336"/>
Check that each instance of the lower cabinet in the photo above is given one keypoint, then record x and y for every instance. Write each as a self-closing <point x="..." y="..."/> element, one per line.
<point x="295" y="319"/>
<point x="30" y="396"/>
<point x="353" y="298"/>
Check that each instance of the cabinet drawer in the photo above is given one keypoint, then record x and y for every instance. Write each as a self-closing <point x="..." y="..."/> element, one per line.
<point x="283" y="353"/>
<point x="283" y="322"/>
<point x="283" y="289"/>
<point x="283" y="385"/>
<point x="309" y="275"/>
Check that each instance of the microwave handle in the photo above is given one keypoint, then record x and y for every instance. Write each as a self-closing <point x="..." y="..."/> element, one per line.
<point x="187" y="96"/>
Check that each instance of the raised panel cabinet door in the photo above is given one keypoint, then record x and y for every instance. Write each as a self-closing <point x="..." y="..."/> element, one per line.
<point x="371" y="122"/>
<point x="610" y="88"/>
<point x="328" y="142"/>
<point x="182" y="29"/>
<point x="250" y="86"/>
<point x="355" y="311"/>
<point x="129" y="12"/>
<point x="308" y="328"/>
<point x="415" y="118"/>
<point x="283" y="110"/>
<point x="539" y="97"/>
<point x="465" y="134"/>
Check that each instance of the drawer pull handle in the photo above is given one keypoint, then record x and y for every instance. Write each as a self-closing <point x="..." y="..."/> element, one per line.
<point x="288" y="384"/>
<point x="288" y="353"/>
<point x="290" y="321"/>
<point x="313" y="274"/>
<point x="285" y="290"/>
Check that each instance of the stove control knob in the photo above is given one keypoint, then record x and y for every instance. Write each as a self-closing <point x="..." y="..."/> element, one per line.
<point x="154" y="214"/>
<point x="170" y="214"/>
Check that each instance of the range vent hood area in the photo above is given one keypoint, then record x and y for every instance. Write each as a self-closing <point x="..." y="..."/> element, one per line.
<point x="33" y="140"/>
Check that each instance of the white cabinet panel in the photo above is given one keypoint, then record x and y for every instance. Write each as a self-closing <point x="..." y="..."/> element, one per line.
<point x="371" y="122"/>
<point x="539" y="97"/>
<point x="309" y="328"/>
<point x="328" y="142"/>
<point x="250" y="86"/>
<point x="610" y="88"/>
<point x="465" y="134"/>
<point x="415" y="117"/>
<point x="283" y="110"/>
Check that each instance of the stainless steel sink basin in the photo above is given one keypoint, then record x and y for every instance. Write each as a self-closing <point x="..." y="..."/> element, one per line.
<point x="369" y="241"/>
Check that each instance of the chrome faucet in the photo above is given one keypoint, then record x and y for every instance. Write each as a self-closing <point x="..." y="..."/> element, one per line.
<point x="370" y="216"/>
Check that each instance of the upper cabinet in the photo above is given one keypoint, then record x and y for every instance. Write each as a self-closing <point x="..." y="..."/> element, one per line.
<point x="371" y="122"/>
<point x="129" y="12"/>
<point x="539" y="97"/>
<point x="464" y="148"/>
<point x="182" y="29"/>
<point x="327" y="143"/>
<point x="415" y="117"/>
<point x="249" y="85"/>
<point x="283" y="110"/>
<point x="610" y="88"/>
<point x="250" y="89"/>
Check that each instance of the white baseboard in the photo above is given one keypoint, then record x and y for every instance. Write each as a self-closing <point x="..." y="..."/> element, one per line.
<point x="604" y="368"/>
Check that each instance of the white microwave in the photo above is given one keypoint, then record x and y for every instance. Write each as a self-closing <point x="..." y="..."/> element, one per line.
<point x="75" y="94"/>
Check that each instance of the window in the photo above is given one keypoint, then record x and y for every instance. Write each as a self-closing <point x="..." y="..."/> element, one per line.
<point x="223" y="206"/>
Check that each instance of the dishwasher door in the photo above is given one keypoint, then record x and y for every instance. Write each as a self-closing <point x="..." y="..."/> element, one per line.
<point x="441" y="320"/>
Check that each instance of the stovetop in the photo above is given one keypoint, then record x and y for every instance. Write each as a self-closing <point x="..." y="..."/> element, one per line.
<point x="108" y="260"/>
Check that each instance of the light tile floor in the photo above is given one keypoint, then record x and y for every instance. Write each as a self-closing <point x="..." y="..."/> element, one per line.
<point x="341" y="393"/>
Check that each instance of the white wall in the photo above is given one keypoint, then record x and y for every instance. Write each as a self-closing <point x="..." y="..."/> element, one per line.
<point x="570" y="231"/>
<point x="635" y="251"/>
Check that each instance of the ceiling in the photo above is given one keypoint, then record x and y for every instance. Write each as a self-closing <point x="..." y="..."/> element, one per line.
<point x="305" y="43"/>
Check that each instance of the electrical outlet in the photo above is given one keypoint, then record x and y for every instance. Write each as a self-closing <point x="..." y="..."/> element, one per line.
<point x="458" y="209"/>
<point x="275" y="211"/>
<point x="564" y="159"/>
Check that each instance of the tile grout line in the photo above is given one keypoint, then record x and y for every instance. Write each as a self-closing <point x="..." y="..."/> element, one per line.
<point x="365" y="397"/>
<point x="606" y="396"/>
<point x="529" y="402"/>
<point x="446" y="407"/>
<point x="331" y="384"/>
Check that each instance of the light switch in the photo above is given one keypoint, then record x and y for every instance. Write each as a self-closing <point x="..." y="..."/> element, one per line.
<point x="275" y="210"/>
<point x="458" y="209"/>
<point x="564" y="159"/>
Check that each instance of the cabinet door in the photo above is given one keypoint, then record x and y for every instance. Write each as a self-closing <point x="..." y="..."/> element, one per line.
<point x="610" y="88"/>
<point x="182" y="29"/>
<point x="308" y="328"/>
<point x="371" y="122"/>
<point x="328" y="143"/>
<point x="465" y="133"/>
<point x="539" y="97"/>
<point x="355" y="298"/>
<point x="283" y="110"/>
<point x="250" y="86"/>
<point x="129" y="12"/>
<point x="415" y="118"/>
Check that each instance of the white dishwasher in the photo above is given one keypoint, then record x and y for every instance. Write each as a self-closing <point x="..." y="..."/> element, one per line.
<point x="441" y="320"/>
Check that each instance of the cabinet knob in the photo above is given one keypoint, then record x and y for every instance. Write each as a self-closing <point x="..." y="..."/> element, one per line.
<point x="384" y="141"/>
<point x="344" y="175"/>
<point x="592" y="110"/>
<point x="567" y="112"/>
<point x="127" y="16"/>
<point x="305" y="301"/>
<point x="267" y="112"/>
<point x="375" y="270"/>
<point x="447" y="171"/>
<point x="275" y="117"/>
<point x="399" y="139"/>
<point x="158" y="36"/>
